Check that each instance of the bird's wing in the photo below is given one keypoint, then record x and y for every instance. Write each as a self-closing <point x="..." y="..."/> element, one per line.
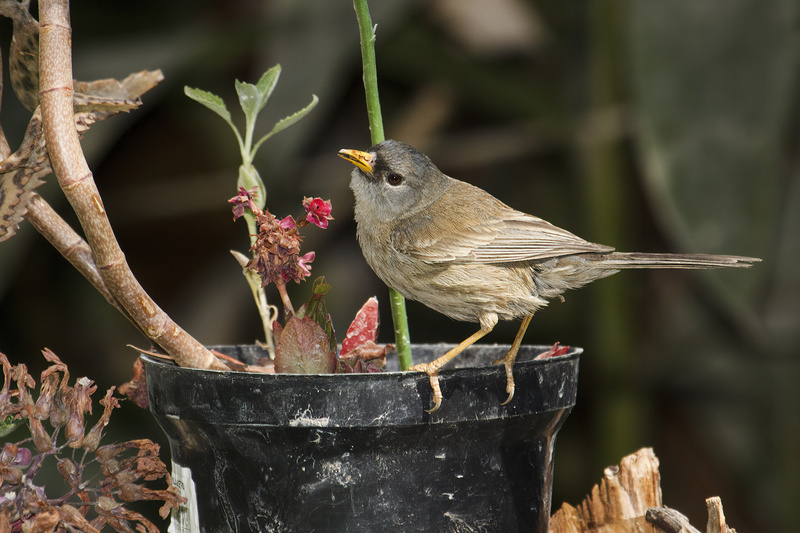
<point x="483" y="231"/>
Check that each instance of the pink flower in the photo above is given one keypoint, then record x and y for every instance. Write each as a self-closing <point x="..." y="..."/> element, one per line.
<point x="276" y="250"/>
<point x="304" y="265"/>
<point x="288" y="223"/>
<point x="244" y="200"/>
<point x="318" y="211"/>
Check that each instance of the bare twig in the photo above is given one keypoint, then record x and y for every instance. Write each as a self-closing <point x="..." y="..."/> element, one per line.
<point x="76" y="180"/>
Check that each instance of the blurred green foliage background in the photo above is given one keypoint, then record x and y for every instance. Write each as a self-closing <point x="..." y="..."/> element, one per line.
<point x="648" y="126"/>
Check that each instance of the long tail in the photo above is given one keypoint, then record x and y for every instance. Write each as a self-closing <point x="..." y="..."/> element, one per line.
<point x="620" y="260"/>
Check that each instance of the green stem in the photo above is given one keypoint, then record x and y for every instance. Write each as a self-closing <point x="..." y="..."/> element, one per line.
<point x="367" y="32"/>
<point x="401" y="339"/>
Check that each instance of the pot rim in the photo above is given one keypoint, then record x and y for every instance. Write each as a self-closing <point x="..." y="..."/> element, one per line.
<point x="365" y="399"/>
<point x="574" y="353"/>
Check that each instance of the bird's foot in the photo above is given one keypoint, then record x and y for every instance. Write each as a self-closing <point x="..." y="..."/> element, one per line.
<point x="508" y="362"/>
<point x="433" y="372"/>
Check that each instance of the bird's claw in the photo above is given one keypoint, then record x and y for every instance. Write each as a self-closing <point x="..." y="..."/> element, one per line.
<point x="433" y="373"/>
<point x="510" y="387"/>
<point x="510" y="390"/>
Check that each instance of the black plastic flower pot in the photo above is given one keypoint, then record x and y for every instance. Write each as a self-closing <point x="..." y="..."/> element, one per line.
<point x="358" y="452"/>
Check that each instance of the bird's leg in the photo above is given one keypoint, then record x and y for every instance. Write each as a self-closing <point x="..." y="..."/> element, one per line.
<point x="432" y="368"/>
<point x="509" y="358"/>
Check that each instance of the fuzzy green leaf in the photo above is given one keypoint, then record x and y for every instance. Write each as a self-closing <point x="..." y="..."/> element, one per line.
<point x="210" y="100"/>
<point x="267" y="83"/>
<point x="253" y="98"/>
<point x="249" y="98"/>
<point x="288" y="121"/>
<point x="291" y="119"/>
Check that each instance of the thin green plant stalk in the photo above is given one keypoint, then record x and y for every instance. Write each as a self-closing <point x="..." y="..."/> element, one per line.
<point x="367" y="32"/>
<point x="252" y="99"/>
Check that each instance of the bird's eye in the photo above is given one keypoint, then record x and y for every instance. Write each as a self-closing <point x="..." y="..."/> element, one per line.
<point x="394" y="179"/>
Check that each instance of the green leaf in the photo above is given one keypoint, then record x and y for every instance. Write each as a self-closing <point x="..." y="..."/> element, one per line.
<point x="320" y="287"/>
<point x="211" y="101"/>
<point x="8" y="425"/>
<point x="291" y="119"/>
<point x="267" y="83"/>
<point x="248" y="178"/>
<point x="286" y="122"/>
<point x="249" y="98"/>
<point x="253" y="98"/>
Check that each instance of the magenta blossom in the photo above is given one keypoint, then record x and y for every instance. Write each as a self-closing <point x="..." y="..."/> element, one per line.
<point x="304" y="264"/>
<point x="276" y="249"/>
<point x="288" y="223"/>
<point x="318" y="211"/>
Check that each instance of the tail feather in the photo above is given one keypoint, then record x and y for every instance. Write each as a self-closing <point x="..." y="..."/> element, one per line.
<point x="620" y="260"/>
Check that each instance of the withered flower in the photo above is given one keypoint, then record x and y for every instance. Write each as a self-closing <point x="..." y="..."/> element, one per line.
<point x="244" y="200"/>
<point x="276" y="250"/>
<point x="92" y="502"/>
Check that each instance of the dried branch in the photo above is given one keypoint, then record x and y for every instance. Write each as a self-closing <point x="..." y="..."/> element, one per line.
<point x="76" y="180"/>
<point x="628" y="500"/>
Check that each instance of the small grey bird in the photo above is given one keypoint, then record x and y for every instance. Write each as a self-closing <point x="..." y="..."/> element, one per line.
<point x="464" y="253"/>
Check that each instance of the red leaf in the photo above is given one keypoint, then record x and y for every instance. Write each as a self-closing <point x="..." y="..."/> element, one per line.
<point x="555" y="351"/>
<point x="366" y="357"/>
<point x="364" y="327"/>
<point x="304" y="348"/>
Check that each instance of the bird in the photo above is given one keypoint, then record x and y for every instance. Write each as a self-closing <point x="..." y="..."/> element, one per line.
<point x="462" y="252"/>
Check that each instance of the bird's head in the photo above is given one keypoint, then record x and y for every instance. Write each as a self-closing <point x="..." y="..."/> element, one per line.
<point x="393" y="179"/>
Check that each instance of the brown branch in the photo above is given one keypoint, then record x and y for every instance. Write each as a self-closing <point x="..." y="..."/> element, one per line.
<point x="77" y="182"/>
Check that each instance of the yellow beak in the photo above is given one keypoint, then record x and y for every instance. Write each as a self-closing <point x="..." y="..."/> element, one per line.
<point x="363" y="160"/>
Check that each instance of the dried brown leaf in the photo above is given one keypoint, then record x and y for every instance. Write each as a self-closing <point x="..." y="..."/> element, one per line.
<point x="45" y="521"/>
<point x="67" y="469"/>
<point x="136" y="389"/>
<point x="92" y="439"/>
<point x="73" y="517"/>
<point x="5" y="392"/>
<point x="41" y="439"/>
<point x="82" y="404"/>
<point x="24" y="170"/>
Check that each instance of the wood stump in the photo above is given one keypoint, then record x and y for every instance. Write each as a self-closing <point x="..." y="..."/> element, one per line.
<point x="628" y="500"/>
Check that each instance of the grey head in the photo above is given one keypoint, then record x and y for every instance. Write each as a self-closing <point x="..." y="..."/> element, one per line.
<point x="393" y="180"/>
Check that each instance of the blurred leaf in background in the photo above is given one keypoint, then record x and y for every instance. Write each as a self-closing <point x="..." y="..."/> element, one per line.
<point x="715" y="98"/>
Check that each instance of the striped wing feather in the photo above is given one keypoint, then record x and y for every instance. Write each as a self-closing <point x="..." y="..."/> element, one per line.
<point x="485" y="230"/>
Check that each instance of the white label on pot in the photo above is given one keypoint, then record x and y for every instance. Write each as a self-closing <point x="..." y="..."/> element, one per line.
<point x="184" y="518"/>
